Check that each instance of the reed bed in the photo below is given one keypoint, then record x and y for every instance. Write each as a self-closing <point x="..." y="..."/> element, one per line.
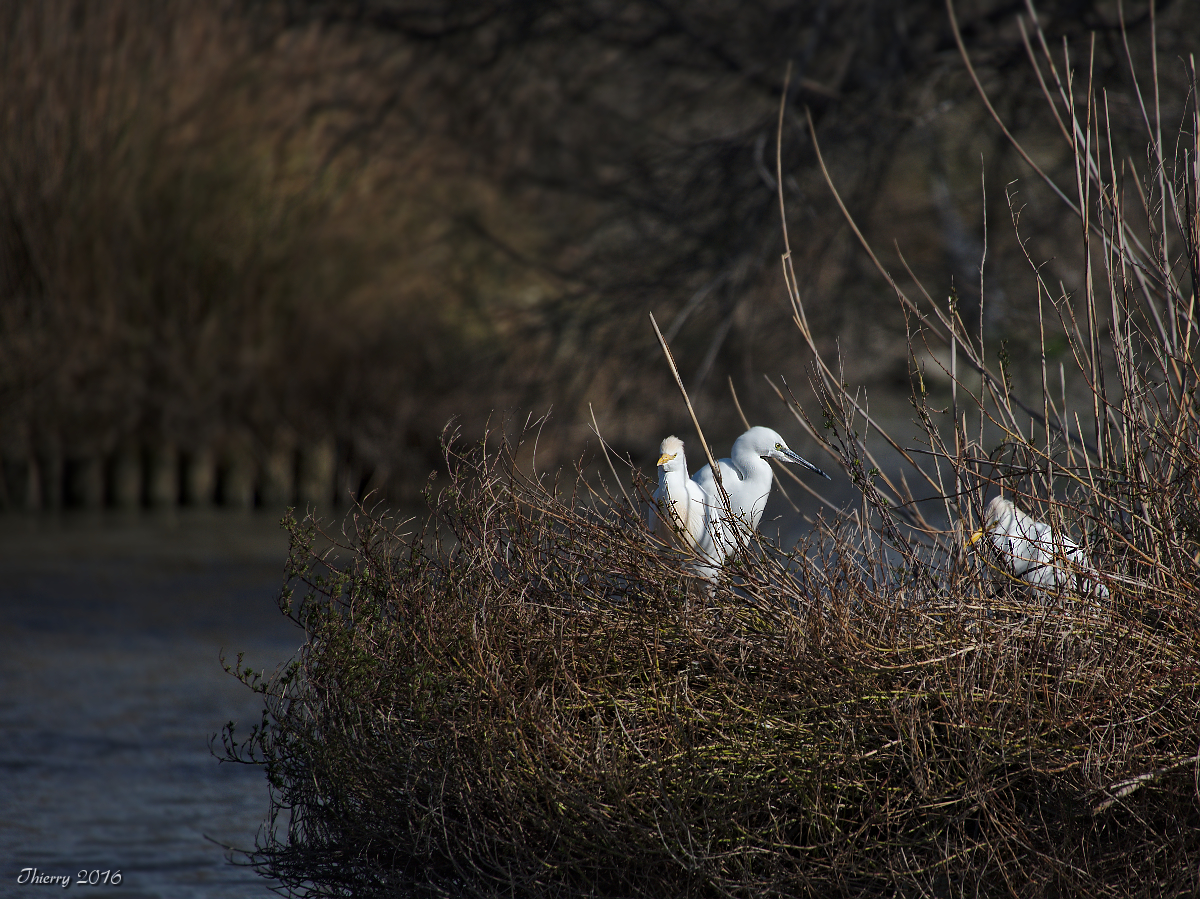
<point x="527" y="695"/>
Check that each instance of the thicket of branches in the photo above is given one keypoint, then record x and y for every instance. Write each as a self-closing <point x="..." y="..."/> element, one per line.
<point x="529" y="696"/>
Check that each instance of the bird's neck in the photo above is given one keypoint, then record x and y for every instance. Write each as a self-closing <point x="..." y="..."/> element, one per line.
<point x="751" y="466"/>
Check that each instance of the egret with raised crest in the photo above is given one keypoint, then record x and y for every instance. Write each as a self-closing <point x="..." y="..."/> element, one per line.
<point x="677" y="496"/>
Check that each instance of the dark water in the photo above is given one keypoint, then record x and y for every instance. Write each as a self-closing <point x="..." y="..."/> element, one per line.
<point x="111" y="686"/>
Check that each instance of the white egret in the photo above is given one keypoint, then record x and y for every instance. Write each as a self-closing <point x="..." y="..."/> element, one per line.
<point x="1049" y="563"/>
<point x="678" y="496"/>
<point x="746" y="479"/>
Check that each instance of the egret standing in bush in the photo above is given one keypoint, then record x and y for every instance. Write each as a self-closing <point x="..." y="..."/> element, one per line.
<point x="677" y="496"/>
<point x="1050" y="563"/>
<point x="746" y="479"/>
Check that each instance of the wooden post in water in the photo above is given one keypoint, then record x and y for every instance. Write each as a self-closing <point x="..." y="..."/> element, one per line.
<point x="162" y="475"/>
<point x="85" y="482"/>
<point x="199" y="477"/>
<point x="125" y="476"/>
<point x="318" y="466"/>
<point x="237" y="474"/>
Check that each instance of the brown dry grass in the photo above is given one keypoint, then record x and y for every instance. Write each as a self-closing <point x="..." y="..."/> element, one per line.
<point x="189" y="256"/>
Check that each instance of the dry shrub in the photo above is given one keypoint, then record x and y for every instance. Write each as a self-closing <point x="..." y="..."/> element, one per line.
<point x="528" y="696"/>
<point x="1109" y="450"/>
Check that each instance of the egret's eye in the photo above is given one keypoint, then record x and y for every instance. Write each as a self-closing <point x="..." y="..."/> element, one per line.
<point x="779" y="446"/>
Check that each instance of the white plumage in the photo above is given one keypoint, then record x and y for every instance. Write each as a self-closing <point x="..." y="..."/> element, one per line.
<point x="746" y="478"/>
<point x="678" y="496"/>
<point x="1050" y="563"/>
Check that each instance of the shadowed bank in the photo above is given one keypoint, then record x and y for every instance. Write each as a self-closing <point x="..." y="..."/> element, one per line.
<point x="258" y="253"/>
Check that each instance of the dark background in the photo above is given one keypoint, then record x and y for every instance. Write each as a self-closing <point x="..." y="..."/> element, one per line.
<point x="253" y="227"/>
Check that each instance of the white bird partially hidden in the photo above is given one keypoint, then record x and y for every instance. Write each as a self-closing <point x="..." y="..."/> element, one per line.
<point x="678" y="496"/>
<point x="1050" y="563"/>
<point x="746" y="479"/>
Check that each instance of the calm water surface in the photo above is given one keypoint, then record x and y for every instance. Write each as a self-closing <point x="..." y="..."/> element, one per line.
<point x="111" y="687"/>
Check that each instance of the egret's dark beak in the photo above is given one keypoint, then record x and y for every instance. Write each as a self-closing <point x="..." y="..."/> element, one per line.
<point x="800" y="460"/>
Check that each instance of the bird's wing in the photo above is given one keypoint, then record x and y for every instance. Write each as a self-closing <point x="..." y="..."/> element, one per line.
<point x="1041" y="536"/>
<point x="696" y="521"/>
<point x="1021" y="540"/>
<point x="755" y="513"/>
<point x="708" y="484"/>
<point x="1074" y="570"/>
<point x="1061" y="564"/>
<point x="712" y="524"/>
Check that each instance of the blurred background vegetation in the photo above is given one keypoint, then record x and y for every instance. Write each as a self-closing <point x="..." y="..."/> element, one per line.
<point x="280" y="244"/>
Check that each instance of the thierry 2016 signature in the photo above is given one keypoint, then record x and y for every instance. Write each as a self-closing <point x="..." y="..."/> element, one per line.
<point x="95" y="877"/>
